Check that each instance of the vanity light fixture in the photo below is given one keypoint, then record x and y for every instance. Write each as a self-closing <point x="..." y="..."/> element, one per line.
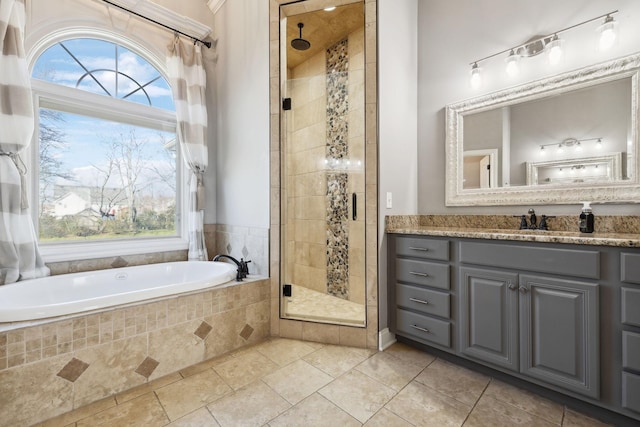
<point x="512" y="64"/>
<point x="608" y="33"/>
<point x="572" y="142"/>
<point x="550" y="43"/>
<point x="476" y="78"/>
<point x="329" y="8"/>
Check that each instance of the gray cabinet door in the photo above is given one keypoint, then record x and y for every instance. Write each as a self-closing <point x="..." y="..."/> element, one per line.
<point x="559" y="334"/>
<point x="489" y="316"/>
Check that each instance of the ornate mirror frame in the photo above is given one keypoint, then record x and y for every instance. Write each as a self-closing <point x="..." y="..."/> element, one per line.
<point x="626" y="191"/>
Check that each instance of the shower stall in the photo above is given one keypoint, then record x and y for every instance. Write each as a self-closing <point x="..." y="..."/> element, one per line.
<point x="323" y="166"/>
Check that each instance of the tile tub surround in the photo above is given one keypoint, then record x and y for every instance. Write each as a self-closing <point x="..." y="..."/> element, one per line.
<point x="52" y="368"/>
<point x="622" y="231"/>
<point x="78" y="266"/>
<point x="250" y="243"/>
<point x="280" y="382"/>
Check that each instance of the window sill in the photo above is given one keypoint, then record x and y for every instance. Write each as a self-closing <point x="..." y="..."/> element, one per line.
<point x="59" y="252"/>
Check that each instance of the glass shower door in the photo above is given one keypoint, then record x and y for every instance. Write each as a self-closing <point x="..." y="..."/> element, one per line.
<point x="322" y="194"/>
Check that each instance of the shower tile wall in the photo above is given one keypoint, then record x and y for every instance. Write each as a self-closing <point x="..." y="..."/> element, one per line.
<point x="316" y="198"/>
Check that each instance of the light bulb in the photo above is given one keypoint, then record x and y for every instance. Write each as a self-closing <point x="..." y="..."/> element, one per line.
<point x="607" y="33"/>
<point x="554" y="49"/>
<point x="329" y="8"/>
<point x="512" y="64"/>
<point x="578" y="146"/>
<point x="560" y="148"/>
<point x="542" y="151"/>
<point x="476" y="78"/>
<point x="599" y="143"/>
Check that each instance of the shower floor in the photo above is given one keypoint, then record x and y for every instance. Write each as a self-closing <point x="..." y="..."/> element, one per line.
<point x="307" y="304"/>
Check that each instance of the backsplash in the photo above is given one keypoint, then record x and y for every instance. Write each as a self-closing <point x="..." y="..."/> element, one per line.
<point x="250" y="243"/>
<point x="77" y="266"/>
<point x="603" y="223"/>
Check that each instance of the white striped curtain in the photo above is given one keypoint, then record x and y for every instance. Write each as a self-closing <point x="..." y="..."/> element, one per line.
<point x="188" y="81"/>
<point x="19" y="255"/>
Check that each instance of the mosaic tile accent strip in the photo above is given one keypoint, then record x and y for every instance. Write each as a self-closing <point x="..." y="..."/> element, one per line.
<point x="72" y="370"/>
<point x="337" y="149"/>
<point x="246" y="332"/>
<point x="147" y="367"/>
<point x="203" y="330"/>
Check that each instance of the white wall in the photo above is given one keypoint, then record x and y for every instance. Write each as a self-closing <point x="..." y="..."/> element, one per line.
<point x="398" y="108"/>
<point x="241" y="157"/>
<point x="454" y="33"/>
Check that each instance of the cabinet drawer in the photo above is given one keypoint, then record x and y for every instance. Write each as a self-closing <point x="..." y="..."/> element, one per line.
<point x="423" y="300"/>
<point x="423" y="327"/>
<point x="422" y="247"/>
<point x="631" y="350"/>
<point x="630" y="268"/>
<point x="567" y="262"/>
<point x="423" y="273"/>
<point x="630" y="304"/>
<point x="631" y="391"/>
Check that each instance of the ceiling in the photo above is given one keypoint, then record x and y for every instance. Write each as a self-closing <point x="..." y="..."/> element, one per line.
<point x="322" y="29"/>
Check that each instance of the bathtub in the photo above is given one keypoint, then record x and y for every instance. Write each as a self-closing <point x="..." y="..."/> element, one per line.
<point x="67" y="294"/>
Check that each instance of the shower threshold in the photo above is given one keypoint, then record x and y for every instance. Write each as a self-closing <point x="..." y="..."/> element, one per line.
<point x="307" y="304"/>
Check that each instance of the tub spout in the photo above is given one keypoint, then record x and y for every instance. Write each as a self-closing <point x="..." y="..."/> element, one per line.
<point x="243" y="268"/>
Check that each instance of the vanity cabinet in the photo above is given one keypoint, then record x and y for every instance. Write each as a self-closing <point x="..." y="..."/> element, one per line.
<point x="630" y="318"/>
<point x="561" y="316"/>
<point x="542" y="326"/>
<point x="420" y="290"/>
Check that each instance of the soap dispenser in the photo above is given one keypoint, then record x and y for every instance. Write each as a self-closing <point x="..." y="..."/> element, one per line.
<point x="586" y="218"/>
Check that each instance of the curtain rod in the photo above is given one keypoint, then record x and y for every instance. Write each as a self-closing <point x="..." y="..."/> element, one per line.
<point x="195" y="39"/>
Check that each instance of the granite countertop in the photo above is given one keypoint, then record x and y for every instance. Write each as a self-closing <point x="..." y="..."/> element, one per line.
<point x="469" y="228"/>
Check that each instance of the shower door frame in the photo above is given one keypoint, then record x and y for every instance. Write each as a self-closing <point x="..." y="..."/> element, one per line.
<point x="309" y="330"/>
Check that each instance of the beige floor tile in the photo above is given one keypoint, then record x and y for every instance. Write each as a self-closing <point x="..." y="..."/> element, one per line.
<point x="454" y="381"/>
<point x="142" y="411"/>
<point x="389" y="370"/>
<point x="525" y="400"/>
<point x="410" y="354"/>
<point x="254" y="405"/>
<point x="359" y="395"/>
<point x="297" y="380"/>
<point x="284" y="351"/>
<point x="335" y="360"/>
<point x="183" y="397"/>
<point x="146" y="388"/>
<point x="314" y="411"/>
<point x="423" y="406"/>
<point x="245" y="369"/>
<point x="80" y="413"/>
<point x="575" y="419"/>
<point x="491" y="412"/>
<point x="200" y="418"/>
<point x="386" y="418"/>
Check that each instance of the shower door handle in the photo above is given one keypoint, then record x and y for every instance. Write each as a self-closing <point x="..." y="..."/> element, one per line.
<point x="354" y="206"/>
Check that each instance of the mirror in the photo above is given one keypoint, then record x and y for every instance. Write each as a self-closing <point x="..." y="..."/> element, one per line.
<point x="559" y="140"/>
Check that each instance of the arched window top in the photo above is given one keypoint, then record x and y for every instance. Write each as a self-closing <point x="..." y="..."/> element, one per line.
<point x="104" y="68"/>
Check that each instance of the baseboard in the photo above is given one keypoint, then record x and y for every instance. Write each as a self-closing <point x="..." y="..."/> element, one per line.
<point x="385" y="339"/>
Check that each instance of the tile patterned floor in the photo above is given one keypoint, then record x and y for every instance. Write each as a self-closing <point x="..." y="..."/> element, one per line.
<point x="283" y="382"/>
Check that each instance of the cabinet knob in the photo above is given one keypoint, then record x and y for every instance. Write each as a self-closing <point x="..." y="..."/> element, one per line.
<point x="511" y="286"/>
<point x="523" y="290"/>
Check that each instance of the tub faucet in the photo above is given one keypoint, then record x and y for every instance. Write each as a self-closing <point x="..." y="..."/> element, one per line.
<point x="243" y="268"/>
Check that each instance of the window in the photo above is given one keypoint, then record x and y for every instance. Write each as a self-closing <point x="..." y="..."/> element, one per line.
<point x="107" y="157"/>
